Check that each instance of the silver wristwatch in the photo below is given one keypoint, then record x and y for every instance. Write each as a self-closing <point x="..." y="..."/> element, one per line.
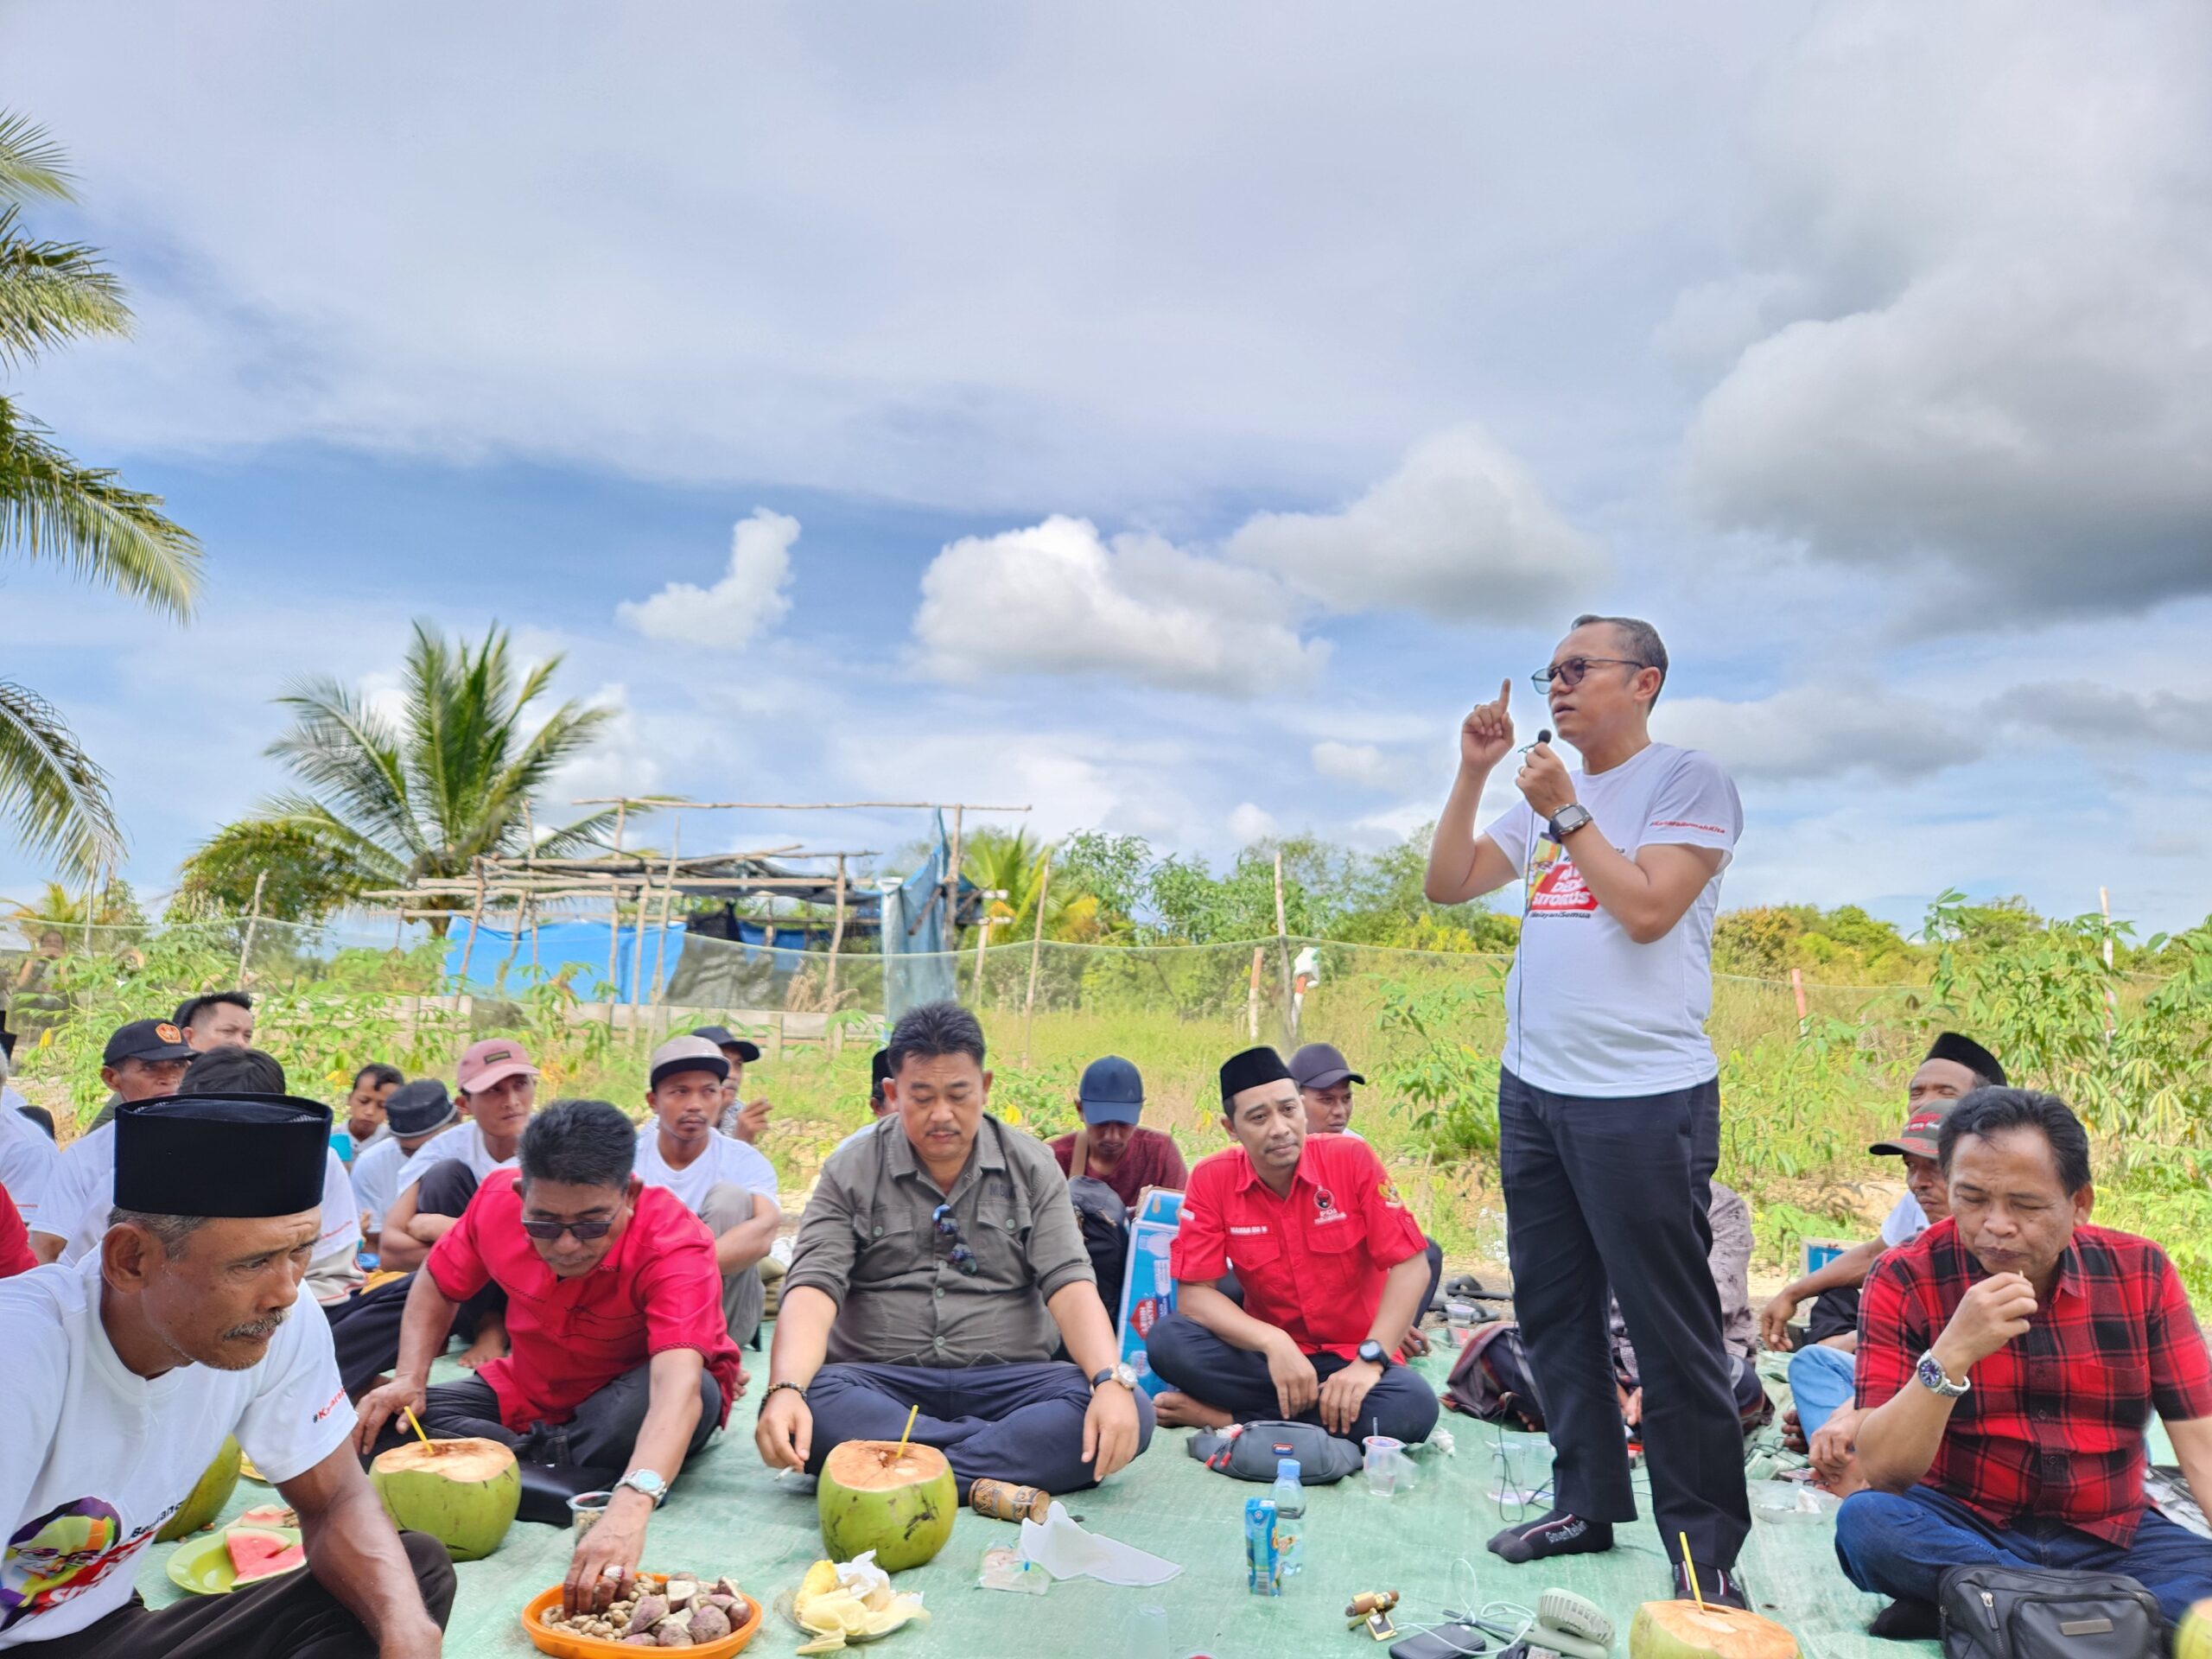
<point x="1936" y="1379"/>
<point x="1568" y="819"/>
<point x="646" y="1481"/>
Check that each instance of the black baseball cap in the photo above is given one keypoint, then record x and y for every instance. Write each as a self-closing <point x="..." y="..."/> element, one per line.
<point x="1111" y="1091"/>
<point x="146" y="1039"/>
<point x="721" y="1037"/>
<point x="1318" y="1065"/>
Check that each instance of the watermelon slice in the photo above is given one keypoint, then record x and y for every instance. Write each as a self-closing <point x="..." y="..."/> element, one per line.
<point x="269" y="1514"/>
<point x="257" y="1554"/>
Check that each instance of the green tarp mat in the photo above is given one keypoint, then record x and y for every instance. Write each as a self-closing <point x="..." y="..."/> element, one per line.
<point x="729" y="1515"/>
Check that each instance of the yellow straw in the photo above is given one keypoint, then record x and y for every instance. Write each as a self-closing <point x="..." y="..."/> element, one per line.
<point x="913" y="1412"/>
<point x="415" y="1425"/>
<point x="1690" y="1567"/>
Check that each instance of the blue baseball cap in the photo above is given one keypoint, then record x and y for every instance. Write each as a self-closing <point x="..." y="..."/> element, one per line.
<point x="1111" y="1091"/>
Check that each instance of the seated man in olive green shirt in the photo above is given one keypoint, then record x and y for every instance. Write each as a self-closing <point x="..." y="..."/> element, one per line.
<point x="940" y="1264"/>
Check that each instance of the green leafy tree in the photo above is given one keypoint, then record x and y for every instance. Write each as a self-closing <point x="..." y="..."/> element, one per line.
<point x="56" y="509"/>
<point x="383" y="802"/>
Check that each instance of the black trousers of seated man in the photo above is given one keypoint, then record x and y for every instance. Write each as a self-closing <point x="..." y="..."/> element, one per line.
<point x="365" y="1329"/>
<point x="599" y="1436"/>
<point x="291" y="1617"/>
<point x="1616" y="1192"/>
<point x="1191" y="1360"/>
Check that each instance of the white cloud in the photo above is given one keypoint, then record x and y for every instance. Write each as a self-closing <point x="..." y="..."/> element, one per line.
<point x="1816" y="731"/>
<point x="1985" y="292"/>
<point x="1250" y="822"/>
<point x="1461" y="529"/>
<point x="749" y="600"/>
<point x="1056" y="599"/>
<point x="2108" y="719"/>
<point x="1362" y="764"/>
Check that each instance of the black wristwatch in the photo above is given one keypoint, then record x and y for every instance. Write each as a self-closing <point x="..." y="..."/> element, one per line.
<point x="1375" y="1353"/>
<point x="1568" y="819"/>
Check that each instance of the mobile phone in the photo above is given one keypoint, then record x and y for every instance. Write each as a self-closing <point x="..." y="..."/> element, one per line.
<point x="1452" y="1641"/>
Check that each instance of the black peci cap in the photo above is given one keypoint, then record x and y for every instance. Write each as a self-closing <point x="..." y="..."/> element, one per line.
<point x="1249" y="1071"/>
<point x="221" y="1155"/>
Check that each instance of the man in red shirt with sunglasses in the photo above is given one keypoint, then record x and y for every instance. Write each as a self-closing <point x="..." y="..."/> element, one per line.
<point x="622" y="1365"/>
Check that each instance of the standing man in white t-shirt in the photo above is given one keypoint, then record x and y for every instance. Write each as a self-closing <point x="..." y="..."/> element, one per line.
<point x="127" y="1371"/>
<point x="723" y="1181"/>
<point x="1609" y="1098"/>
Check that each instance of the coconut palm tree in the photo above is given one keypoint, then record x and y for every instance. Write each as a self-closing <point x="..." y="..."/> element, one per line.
<point x="1008" y="862"/>
<point x="387" y="800"/>
<point x="56" y="509"/>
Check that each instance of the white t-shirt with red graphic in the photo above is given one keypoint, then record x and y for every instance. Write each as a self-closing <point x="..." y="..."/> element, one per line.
<point x="96" y="1457"/>
<point x="1588" y="1010"/>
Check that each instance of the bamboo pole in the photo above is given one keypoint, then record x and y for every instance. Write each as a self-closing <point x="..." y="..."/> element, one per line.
<point x="475" y="922"/>
<point x="836" y="940"/>
<point x="1036" y="954"/>
<point x="982" y="939"/>
<point x="252" y="924"/>
<point x="514" y="945"/>
<point x="667" y="900"/>
<point x="614" y="925"/>
<point x="953" y="894"/>
<point x="1282" y="949"/>
<point x="1252" y="995"/>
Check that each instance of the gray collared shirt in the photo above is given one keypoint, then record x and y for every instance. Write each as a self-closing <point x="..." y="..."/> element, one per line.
<point x="868" y="1241"/>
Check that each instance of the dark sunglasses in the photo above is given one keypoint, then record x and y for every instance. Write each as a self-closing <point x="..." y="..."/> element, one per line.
<point x="948" y="1226"/>
<point x="1569" y="673"/>
<point x="586" y="1231"/>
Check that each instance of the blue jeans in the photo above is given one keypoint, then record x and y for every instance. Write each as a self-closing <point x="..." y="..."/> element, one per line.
<point x="1822" y="1381"/>
<point x="1018" y="1423"/>
<point x="1899" y="1544"/>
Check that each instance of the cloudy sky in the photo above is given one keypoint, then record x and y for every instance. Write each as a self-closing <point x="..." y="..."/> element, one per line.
<point x="1170" y="418"/>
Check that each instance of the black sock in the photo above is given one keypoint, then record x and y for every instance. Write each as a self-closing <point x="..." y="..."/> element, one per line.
<point x="1557" y="1534"/>
<point x="1908" y="1619"/>
<point x="1717" y="1585"/>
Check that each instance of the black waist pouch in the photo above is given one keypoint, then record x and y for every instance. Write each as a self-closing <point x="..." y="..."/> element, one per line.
<point x="2019" y="1613"/>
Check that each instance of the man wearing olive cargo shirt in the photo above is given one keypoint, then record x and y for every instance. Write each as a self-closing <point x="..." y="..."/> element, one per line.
<point x="940" y="1264"/>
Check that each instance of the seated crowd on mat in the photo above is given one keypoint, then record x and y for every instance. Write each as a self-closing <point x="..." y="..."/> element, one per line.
<point x="939" y="1265"/>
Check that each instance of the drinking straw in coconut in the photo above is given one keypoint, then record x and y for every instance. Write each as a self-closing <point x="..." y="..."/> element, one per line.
<point x="913" y="1412"/>
<point x="414" y="1423"/>
<point x="1690" y="1567"/>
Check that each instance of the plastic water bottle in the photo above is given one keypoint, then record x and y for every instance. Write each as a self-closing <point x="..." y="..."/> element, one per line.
<point x="1290" y="1517"/>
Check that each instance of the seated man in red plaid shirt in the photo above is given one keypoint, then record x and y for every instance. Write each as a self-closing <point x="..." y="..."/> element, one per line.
<point x="2008" y="1361"/>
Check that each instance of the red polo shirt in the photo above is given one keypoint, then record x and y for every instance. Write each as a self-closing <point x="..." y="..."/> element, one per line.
<point x="15" y="1239"/>
<point x="658" y="1289"/>
<point x="1311" y="1263"/>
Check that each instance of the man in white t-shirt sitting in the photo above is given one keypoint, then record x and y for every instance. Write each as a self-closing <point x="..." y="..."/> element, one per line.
<point x="499" y="1090"/>
<point x="415" y="1114"/>
<point x="1608" y="1097"/>
<point x="723" y="1181"/>
<point x="127" y="1371"/>
<point x="144" y="1060"/>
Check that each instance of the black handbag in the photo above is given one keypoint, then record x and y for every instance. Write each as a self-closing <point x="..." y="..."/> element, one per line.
<point x="2019" y="1613"/>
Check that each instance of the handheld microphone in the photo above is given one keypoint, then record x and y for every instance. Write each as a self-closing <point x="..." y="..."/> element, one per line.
<point x="1544" y="734"/>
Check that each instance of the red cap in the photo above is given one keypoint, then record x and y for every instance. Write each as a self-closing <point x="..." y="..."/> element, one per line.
<point x="491" y="1061"/>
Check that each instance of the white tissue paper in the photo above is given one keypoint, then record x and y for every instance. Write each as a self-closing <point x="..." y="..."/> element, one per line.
<point x="1066" y="1551"/>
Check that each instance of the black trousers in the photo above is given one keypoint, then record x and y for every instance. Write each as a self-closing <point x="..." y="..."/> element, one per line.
<point x="1187" y="1357"/>
<point x="291" y="1617"/>
<point x="1616" y="1192"/>
<point x="365" y="1329"/>
<point x="601" y="1435"/>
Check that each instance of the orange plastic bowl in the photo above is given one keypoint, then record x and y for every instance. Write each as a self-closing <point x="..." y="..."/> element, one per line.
<point x="563" y="1644"/>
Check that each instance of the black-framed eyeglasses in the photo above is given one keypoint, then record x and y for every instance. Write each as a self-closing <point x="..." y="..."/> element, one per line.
<point x="1569" y="673"/>
<point x="586" y="1231"/>
<point x="948" y="1226"/>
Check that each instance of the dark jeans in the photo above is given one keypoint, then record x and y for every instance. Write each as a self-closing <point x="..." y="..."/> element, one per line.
<point x="1899" y="1544"/>
<point x="1190" y="1358"/>
<point x="1602" y="1192"/>
<point x="291" y="1617"/>
<point x="364" y="1330"/>
<point x="600" y="1435"/>
<point x="1018" y="1423"/>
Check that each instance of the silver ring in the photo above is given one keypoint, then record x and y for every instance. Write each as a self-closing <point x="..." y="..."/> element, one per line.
<point x="612" y="1570"/>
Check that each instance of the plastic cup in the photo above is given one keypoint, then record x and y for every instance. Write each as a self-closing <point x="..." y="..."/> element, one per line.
<point x="1388" y="1467"/>
<point x="586" y="1508"/>
<point x="1146" y="1636"/>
